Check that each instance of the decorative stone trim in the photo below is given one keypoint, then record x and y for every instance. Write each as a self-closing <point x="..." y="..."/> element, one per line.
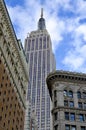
<point x="65" y="76"/>
<point x="12" y="55"/>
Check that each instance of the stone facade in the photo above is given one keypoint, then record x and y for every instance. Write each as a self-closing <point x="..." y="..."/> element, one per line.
<point x="38" y="49"/>
<point x="13" y="75"/>
<point x="68" y="94"/>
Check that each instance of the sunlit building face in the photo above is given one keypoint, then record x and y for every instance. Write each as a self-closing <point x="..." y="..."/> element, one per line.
<point x="41" y="61"/>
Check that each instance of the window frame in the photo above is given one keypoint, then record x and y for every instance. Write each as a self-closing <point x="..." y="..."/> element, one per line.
<point x="70" y="94"/>
<point x="67" y="116"/>
<point x="81" y="117"/>
<point x="79" y="95"/>
<point x="72" y="116"/>
<point x="71" y="105"/>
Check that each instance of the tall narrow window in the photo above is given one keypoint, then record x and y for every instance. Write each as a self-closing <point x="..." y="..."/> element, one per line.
<point x="70" y="94"/>
<point x="82" y="127"/>
<point x="81" y="117"/>
<point x="67" y="127"/>
<point x="72" y="116"/>
<point x="67" y="115"/>
<point x="65" y="92"/>
<point x="71" y="104"/>
<point x="84" y="105"/>
<point x="66" y="103"/>
<point x="73" y="127"/>
<point x="80" y="105"/>
<point x="79" y="94"/>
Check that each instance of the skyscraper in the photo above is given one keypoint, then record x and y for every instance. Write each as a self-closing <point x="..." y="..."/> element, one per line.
<point x="41" y="61"/>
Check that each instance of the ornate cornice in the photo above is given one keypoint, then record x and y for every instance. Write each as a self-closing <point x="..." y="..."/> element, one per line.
<point x="77" y="110"/>
<point x="10" y="35"/>
<point x="65" y="76"/>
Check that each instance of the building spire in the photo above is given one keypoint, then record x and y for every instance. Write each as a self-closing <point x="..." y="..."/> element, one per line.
<point x="41" y="22"/>
<point x="41" y="12"/>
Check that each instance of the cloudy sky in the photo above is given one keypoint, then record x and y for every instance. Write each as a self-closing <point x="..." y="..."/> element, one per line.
<point x="65" y="22"/>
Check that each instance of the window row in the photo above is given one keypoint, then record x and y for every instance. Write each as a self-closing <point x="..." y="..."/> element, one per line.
<point x="70" y="94"/>
<point x="68" y="103"/>
<point x="73" y="127"/>
<point x="81" y="105"/>
<point x="81" y="95"/>
<point x="71" y="104"/>
<point x="71" y="117"/>
<point x="70" y="127"/>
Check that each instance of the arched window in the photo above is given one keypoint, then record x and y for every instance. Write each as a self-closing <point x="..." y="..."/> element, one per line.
<point x="79" y="94"/>
<point x="70" y="94"/>
<point x="65" y="93"/>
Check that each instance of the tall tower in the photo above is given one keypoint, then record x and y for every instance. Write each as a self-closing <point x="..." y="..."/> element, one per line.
<point x="41" y="61"/>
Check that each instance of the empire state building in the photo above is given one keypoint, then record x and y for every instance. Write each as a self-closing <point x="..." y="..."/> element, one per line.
<point x="38" y="49"/>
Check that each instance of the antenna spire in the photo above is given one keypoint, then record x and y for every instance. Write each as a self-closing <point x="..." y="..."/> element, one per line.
<point x="41" y="22"/>
<point x="41" y="12"/>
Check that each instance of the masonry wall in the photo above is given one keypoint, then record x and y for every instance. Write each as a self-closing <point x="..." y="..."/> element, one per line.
<point x="69" y="110"/>
<point x="11" y="112"/>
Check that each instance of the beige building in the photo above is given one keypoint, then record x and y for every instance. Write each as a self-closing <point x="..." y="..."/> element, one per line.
<point x="38" y="49"/>
<point x="13" y="75"/>
<point x="68" y="93"/>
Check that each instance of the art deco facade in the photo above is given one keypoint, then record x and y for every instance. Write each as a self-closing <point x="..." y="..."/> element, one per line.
<point x="41" y="60"/>
<point x="13" y="75"/>
<point x="68" y="94"/>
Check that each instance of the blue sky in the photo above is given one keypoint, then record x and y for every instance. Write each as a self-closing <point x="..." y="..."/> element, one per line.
<point x="65" y="22"/>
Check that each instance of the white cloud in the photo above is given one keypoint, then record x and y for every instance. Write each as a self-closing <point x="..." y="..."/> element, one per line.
<point x="81" y="7"/>
<point x="75" y="58"/>
<point x="81" y="31"/>
<point x="73" y="61"/>
<point x="25" y="18"/>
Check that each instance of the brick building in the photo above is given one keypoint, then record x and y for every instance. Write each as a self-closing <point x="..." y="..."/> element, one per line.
<point x="13" y="75"/>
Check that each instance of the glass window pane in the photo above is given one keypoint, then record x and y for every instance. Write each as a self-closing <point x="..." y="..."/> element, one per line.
<point x="79" y="94"/>
<point x="82" y="127"/>
<point x="65" y="92"/>
<point x="65" y="103"/>
<point x="73" y="127"/>
<point x="72" y="116"/>
<point x="84" y="105"/>
<point x="67" y="127"/>
<point x="84" y="94"/>
<point x="80" y="105"/>
<point x="70" y="94"/>
<point x="81" y="117"/>
<point x="67" y="115"/>
<point x="71" y="104"/>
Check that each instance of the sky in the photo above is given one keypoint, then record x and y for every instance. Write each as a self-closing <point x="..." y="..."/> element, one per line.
<point x="65" y="22"/>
